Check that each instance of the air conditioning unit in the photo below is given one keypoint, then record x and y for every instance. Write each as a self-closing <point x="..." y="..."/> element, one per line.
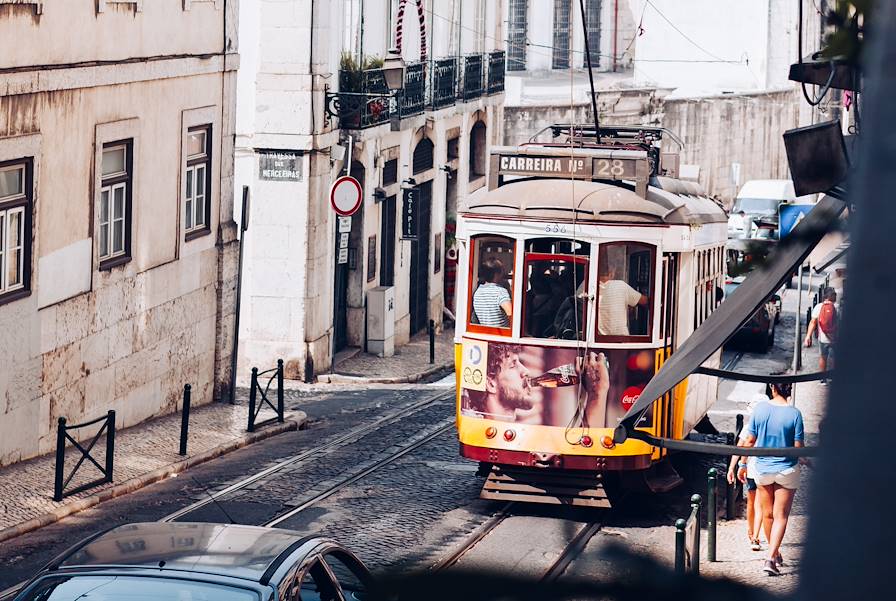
<point x="381" y="321"/>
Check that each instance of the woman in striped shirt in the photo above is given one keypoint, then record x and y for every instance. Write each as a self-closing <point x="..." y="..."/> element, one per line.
<point x="491" y="301"/>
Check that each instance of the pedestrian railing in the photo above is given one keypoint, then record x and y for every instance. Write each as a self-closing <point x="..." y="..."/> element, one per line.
<point x="687" y="540"/>
<point x="62" y="435"/>
<point x="255" y="388"/>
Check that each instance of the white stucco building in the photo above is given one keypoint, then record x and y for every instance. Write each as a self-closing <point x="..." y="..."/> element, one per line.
<point x="305" y="106"/>
<point x="116" y="223"/>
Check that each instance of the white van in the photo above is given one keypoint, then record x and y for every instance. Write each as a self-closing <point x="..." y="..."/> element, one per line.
<point x="759" y="199"/>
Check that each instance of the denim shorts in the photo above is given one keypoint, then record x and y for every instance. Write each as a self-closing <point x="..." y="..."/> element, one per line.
<point x="825" y="349"/>
<point x="751" y="484"/>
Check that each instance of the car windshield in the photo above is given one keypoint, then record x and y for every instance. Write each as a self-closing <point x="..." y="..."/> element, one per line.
<point x="129" y="588"/>
<point x="756" y="205"/>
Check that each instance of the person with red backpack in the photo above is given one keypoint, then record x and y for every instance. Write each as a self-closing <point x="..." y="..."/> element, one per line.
<point x="824" y="323"/>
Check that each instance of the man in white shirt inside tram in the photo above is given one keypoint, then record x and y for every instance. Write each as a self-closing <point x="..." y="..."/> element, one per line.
<point x="614" y="298"/>
<point x="491" y="301"/>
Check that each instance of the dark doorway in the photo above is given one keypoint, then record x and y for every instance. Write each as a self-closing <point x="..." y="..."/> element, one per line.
<point x="387" y="242"/>
<point x="340" y="316"/>
<point x="419" y="273"/>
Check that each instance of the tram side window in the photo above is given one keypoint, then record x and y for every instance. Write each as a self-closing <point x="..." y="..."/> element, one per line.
<point x="625" y="289"/>
<point x="491" y="302"/>
<point x="556" y="272"/>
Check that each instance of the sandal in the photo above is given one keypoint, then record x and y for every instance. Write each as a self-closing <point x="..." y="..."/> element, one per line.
<point x="755" y="545"/>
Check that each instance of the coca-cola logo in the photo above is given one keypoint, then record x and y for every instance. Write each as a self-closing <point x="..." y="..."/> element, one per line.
<point x="630" y="396"/>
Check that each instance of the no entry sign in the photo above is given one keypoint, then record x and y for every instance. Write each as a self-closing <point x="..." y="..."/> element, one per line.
<point x="345" y="195"/>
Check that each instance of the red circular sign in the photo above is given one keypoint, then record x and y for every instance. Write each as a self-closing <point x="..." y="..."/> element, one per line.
<point x="346" y="195"/>
<point x="630" y="396"/>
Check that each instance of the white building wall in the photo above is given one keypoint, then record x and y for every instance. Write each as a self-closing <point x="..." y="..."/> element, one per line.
<point x="125" y="338"/>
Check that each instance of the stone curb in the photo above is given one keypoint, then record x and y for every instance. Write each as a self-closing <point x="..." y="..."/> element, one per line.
<point x="337" y="378"/>
<point x="297" y="421"/>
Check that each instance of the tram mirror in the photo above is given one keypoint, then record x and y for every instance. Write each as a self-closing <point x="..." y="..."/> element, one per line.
<point x="817" y="157"/>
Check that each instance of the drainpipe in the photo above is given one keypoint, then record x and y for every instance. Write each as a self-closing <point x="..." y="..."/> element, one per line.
<point x="615" y="31"/>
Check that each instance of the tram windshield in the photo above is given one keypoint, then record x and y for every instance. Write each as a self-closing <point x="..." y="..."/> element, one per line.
<point x="492" y="283"/>
<point x="625" y="287"/>
<point x="556" y="272"/>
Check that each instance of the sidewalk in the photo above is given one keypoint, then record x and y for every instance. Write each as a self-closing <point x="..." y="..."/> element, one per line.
<point x="145" y="453"/>
<point x="409" y="364"/>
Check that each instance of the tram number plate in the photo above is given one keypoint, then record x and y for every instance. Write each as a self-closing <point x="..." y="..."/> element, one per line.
<point x="615" y="169"/>
<point x="555" y="228"/>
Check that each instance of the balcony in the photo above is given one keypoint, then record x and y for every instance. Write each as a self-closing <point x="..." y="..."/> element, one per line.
<point x="364" y="99"/>
<point x="443" y="85"/>
<point x="471" y="85"/>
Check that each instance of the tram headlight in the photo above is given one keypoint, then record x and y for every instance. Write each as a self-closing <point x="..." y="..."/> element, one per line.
<point x="586" y="441"/>
<point x="491" y="432"/>
<point x="509" y="435"/>
<point x="607" y="442"/>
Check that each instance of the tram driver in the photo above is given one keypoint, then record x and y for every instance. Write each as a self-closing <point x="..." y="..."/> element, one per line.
<point x="615" y="297"/>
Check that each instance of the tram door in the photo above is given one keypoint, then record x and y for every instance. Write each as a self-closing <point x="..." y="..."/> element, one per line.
<point x="419" y="273"/>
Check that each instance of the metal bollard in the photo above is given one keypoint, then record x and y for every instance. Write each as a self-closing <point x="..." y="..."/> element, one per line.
<point x="253" y="386"/>
<point x="679" y="545"/>
<point x="280" y="390"/>
<point x="432" y="341"/>
<point x="711" y="514"/>
<point x="60" y="459"/>
<point x="695" y="507"/>
<point x="110" y="445"/>
<point x="185" y="420"/>
<point x="309" y="369"/>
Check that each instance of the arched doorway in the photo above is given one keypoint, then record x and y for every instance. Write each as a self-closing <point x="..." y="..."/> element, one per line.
<point x="418" y="300"/>
<point x="478" y="148"/>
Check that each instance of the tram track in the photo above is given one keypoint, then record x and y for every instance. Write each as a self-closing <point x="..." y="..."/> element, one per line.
<point x="313" y="453"/>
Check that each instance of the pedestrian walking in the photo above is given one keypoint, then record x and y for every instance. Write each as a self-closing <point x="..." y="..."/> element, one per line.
<point x="775" y="424"/>
<point x="754" y="509"/>
<point x="824" y="322"/>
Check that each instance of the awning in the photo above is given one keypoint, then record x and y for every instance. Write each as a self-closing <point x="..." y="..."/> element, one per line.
<point x="735" y="310"/>
<point x="832" y="257"/>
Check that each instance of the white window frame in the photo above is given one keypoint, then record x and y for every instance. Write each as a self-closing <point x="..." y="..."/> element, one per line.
<point x="101" y="5"/>
<point x="24" y="204"/>
<point x="38" y="5"/>
<point x="195" y="239"/>
<point x="109" y="189"/>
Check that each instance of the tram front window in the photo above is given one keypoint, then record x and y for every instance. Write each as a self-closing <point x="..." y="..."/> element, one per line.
<point x="624" y="290"/>
<point x="491" y="304"/>
<point x="556" y="273"/>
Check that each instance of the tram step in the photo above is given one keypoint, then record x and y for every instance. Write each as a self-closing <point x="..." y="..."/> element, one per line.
<point x="539" y="486"/>
<point x="662" y="477"/>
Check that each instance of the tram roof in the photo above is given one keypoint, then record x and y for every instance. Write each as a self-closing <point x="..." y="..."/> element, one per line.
<point x="668" y="201"/>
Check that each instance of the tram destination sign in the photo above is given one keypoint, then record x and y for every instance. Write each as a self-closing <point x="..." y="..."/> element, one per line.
<point x="550" y="166"/>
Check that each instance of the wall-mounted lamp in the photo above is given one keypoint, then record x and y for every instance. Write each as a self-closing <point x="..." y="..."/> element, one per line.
<point x="447" y="170"/>
<point x="379" y="195"/>
<point x="408" y="184"/>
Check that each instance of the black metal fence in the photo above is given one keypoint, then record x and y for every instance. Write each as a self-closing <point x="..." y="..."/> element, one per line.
<point x="444" y="82"/>
<point x="471" y="85"/>
<point x="255" y="388"/>
<point x="62" y="435"/>
<point x="687" y="540"/>
<point x="364" y="100"/>
<point x="497" y="63"/>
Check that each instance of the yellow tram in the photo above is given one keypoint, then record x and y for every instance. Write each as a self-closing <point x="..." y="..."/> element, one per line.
<point x="583" y="265"/>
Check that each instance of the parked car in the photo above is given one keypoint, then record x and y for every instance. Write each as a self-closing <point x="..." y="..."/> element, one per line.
<point x="759" y="331"/>
<point x="200" y="562"/>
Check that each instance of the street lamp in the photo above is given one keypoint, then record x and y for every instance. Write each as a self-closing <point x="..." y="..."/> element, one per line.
<point x="393" y="69"/>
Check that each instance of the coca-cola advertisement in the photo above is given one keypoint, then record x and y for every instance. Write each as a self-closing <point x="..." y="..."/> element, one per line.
<point x="552" y="386"/>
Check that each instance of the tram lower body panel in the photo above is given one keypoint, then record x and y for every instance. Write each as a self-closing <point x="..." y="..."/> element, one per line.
<point x="534" y="416"/>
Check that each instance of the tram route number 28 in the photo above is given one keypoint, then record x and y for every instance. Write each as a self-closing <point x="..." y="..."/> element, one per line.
<point x="614" y="168"/>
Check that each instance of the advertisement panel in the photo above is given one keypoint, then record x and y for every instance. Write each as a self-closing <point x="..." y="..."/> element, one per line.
<point x="551" y="386"/>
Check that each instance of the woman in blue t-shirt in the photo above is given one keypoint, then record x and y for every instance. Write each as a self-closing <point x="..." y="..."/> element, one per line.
<point x="774" y="424"/>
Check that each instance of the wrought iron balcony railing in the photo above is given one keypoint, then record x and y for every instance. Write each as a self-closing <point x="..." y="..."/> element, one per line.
<point x="443" y="84"/>
<point x="471" y="86"/>
<point x="497" y="64"/>
<point x="364" y="99"/>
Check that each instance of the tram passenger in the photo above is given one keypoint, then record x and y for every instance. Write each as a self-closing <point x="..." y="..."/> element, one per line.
<point x="614" y="299"/>
<point x="491" y="301"/>
<point x="541" y="305"/>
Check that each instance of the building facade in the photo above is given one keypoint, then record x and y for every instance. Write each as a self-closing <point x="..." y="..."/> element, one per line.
<point x="712" y="71"/>
<point x="117" y="246"/>
<point x="314" y="106"/>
